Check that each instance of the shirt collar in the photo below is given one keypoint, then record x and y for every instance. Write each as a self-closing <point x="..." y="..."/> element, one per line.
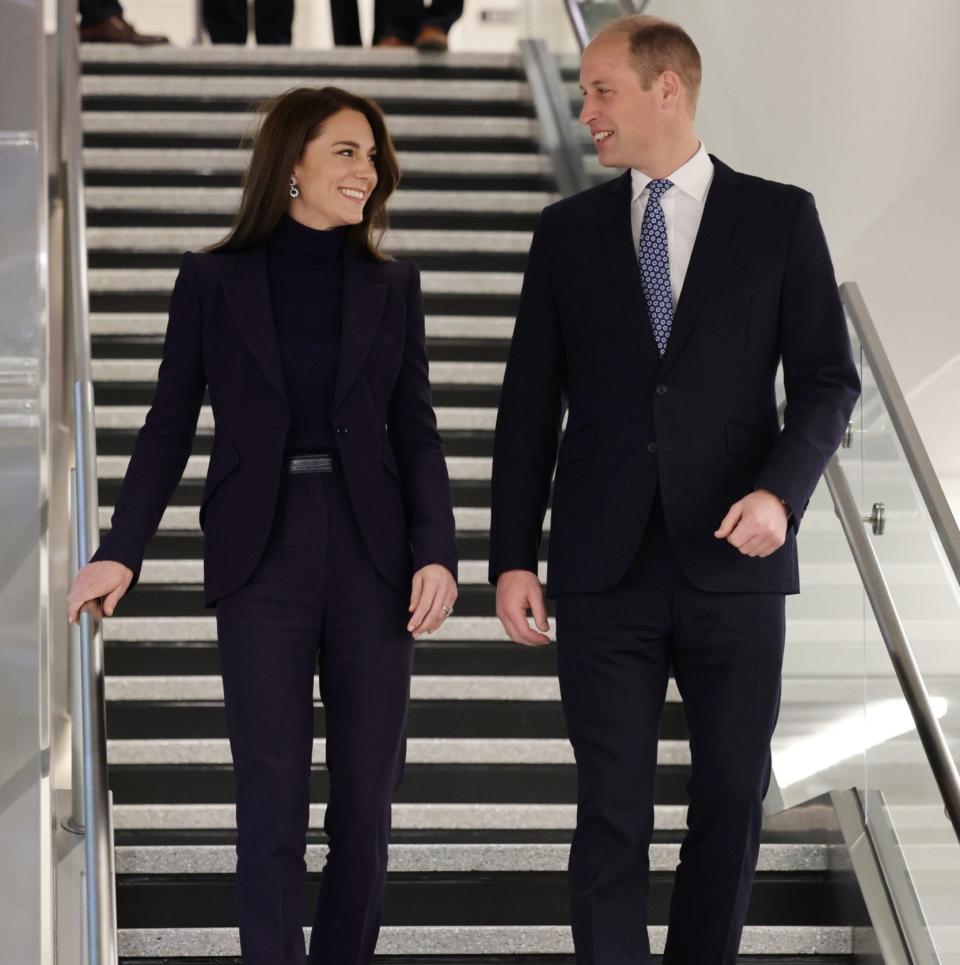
<point x="692" y="178"/>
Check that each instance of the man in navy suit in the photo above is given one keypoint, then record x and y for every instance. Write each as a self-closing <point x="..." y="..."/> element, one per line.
<point x="656" y="309"/>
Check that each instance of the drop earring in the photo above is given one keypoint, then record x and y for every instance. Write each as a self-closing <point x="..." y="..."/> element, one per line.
<point x="294" y="190"/>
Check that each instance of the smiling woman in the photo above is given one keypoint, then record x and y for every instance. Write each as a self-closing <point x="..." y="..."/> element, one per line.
<point x="323" y="156"/>
<point x="328" y="533"/>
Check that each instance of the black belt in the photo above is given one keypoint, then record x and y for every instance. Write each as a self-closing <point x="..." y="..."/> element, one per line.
<point x="311" y="462"/>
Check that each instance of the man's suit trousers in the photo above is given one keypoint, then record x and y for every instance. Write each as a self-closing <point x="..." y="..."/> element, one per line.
<point x="615" y="651"/>
<point x="314" y="602"/>
<point x="226" y="21"/>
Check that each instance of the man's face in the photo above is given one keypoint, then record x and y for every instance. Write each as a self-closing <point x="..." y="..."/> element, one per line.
<point x="621" y="115"/>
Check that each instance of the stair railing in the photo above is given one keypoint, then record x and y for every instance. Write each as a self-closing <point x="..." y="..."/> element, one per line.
<point x="905" y="665"/>
<point x="90" y="793"/>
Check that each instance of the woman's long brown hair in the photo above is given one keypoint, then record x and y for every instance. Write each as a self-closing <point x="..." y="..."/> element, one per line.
<point x="290" y="122"/>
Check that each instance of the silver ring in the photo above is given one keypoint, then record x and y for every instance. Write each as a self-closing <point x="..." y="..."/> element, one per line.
<point x="446" y="609"/>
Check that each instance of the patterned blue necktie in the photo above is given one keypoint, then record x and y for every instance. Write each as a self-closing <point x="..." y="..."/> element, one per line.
<point x="655" y="265"/>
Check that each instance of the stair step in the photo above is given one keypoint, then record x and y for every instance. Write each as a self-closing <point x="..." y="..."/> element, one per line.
<point x="438" y="326"/>
<point x="224" y="200"/>
<point x="484" y="940"/>
<point x="465" y="164"/>
<point x="402" y="242"/>
<point x="448" y="417"/>
<point x="470" y="572"/>
<point x="124" y="280"/>
<point x="423" y="687"/>
<point x="433" y="858"/>
<point x="432" y="750"/>
<point x="182" y="518"/>
<point x="182" y="817"/>
<point x="237" y="124"/>
<point x="514" y="94"/>
<point x="459" y="467"/>
<point x="451" y="373"/>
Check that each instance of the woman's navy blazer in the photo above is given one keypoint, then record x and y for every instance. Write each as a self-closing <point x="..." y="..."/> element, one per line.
<point x="221" y="335"/>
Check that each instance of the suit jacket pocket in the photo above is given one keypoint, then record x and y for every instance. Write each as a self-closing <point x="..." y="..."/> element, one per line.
<point x="745" y="440"/>
<point x="577" y="445"/>
<point x="224" y="459"/>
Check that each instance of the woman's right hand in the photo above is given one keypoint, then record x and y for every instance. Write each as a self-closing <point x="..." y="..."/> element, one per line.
<point x="105" y="580"/>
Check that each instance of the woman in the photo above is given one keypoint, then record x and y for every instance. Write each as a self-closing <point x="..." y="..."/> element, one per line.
<point x="326" y="511"/>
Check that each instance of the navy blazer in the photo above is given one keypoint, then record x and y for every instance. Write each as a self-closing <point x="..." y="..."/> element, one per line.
<point x="221" y="334"/>
<point x="702" y="421"/>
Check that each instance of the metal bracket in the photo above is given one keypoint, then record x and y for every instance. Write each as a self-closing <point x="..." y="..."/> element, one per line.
<point x="877" y="519"/>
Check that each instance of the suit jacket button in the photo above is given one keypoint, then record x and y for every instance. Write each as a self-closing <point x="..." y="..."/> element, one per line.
<point x="661" y="390"/>
<point x="651" y="447"/>
<point x="341" y="430"/>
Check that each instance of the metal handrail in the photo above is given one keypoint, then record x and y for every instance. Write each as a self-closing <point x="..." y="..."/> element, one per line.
<point x="895" y="639"/>
<point x="90" y="715"/>
<point x="934" y="499"/>
<point x="577" y="23"/>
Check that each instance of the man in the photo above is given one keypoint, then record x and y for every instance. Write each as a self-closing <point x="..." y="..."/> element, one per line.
<point x="656" y="308"/>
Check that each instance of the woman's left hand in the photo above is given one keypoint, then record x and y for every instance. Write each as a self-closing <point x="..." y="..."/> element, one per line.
<point x="432" y="597"/>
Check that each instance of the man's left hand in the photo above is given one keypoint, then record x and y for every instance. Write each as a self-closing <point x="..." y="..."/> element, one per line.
<point x="756" y="525"/>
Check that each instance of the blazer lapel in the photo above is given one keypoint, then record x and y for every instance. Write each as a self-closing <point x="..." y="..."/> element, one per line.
<point x="247" y="293"/>
<point x="364" y="297"/>
<point x="617" y="239"/>
<point x="720" y="213"/>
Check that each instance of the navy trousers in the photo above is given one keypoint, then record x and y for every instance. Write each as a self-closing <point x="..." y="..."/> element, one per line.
<point x="614" y="653"/>
<point x="314" y="603"/>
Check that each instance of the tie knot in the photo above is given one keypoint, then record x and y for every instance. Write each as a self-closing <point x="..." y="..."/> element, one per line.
<point x="657" y="188"/>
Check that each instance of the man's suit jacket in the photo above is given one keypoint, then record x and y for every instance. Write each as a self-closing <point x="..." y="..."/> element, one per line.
<point x="702" y="421"/>
<point x="221" y="334"/>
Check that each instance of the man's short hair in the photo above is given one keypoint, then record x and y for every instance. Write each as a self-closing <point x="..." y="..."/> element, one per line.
<point x="658" y="45"/>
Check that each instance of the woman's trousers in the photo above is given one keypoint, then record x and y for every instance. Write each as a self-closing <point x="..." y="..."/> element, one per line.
<point x="314" y="605"/>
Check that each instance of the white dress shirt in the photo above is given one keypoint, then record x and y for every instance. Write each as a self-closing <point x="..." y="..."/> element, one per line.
<point x="682" y="206"/>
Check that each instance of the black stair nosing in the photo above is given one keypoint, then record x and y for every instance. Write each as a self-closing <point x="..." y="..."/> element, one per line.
<point x="179" y="544"/>
<point x="484" y="719"/>
<point x="484" y="658"/>
<point x="456" y="442"/>
<point x="472" y="898"/>
<point x="426" y="259"/>
<point x="438" y="350"/>
<point x="421" y="784"/>
<point x="331" y="72"/>
<point x="473" y="494"/>
<point x="454" y="180"/>
<point x="494" y="720"/>
<point x="432" y="143"/>
<point x="500" y="220"/>
<point x="142" y="393"/>
<point x="201" y="837"/>
<point x="172" y="600"/>
<point x="200" y="104"/>
<point x="434" y="304"/>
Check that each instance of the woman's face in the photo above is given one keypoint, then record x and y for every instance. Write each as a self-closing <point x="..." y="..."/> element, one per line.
<point x="336" y="173"/>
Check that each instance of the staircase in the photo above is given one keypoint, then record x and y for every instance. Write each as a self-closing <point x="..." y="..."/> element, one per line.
<point x="483" y="818"/>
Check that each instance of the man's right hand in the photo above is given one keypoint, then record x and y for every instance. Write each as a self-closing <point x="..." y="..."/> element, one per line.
<point x="517" y="592"/>
<point x="104" y="580"/>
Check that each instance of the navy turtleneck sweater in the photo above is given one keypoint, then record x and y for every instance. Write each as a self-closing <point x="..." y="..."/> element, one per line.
<point x="305" y="271"/>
